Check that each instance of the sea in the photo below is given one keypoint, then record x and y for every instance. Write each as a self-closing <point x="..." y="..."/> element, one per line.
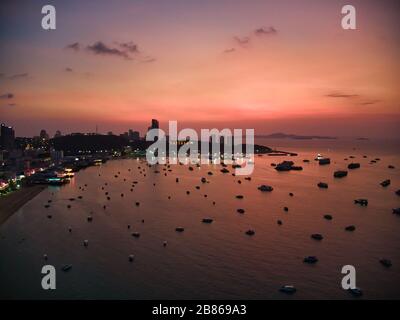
<point x="215" y="260"/>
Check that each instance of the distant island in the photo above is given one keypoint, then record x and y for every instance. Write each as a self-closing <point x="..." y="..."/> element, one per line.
<point x="280" y="135"/>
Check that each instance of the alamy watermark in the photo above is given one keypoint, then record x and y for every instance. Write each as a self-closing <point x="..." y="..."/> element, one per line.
<point x="213" y="146"/>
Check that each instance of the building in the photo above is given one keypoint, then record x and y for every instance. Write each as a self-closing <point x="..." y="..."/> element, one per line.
<point x="154" y="124"/>
<point x="7" y="137"/>
<point x="134" y="135"/>
<point x="58" y="134"/>
<point x="43" y="135"/>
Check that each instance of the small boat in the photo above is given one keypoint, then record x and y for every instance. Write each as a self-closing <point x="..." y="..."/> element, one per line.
<point x="66" y="267"/>
<point x="265" y="188"/>
<point x="250" y="232"/>
<point x="135" y="234"/>
<point x="340" y="174"/>
<point x="396" y="211"/>
<point x="241" y="211"/>
<point x="284" y="166"/>
<point x="353" y="165"/>
<point x="385" y="183"/>
<point x="386" y="262"/>
<point x="207" y="220"/>
<point x="317" y="236"/>
<point x="179" y="229"/>
<point x="324" y="161"/>
<point x="131" y="257"/>
<point x="239" y="196"/>
<point x="361" y="202"/>
<point x="310" y="259"/>
<point x="89" y="218"/>
<point x="86" y="243"/>
<point x="323" y="185"/>
<point x="319" y="157"/>
<point x="356" y="292"/>
<point x="350" y="228"/>
<point x="328" y="217"/>
<point x="289" y="289"/>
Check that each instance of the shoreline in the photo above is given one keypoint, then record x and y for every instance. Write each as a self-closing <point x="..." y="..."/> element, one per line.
<point x="11" y="203"/>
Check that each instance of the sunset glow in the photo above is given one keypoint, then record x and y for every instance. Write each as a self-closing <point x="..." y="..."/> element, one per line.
<point x="202" y="63"/>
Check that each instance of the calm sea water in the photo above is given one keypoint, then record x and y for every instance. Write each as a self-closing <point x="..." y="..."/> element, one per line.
<point x="218" y="260"/>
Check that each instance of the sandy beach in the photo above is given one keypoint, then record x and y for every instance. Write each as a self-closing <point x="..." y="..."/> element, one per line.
<point x="12" y="202"/>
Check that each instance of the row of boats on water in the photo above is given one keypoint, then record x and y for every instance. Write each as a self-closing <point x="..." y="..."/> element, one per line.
<point x="62" y="174"/>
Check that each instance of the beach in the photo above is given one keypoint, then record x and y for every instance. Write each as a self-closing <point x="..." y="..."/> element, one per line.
<point x="10" y="203"/>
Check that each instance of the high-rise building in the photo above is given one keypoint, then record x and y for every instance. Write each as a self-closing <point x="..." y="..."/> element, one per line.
<point x="43" y="135"/>
<point x="58" y="134"/>
<point x="7" y="137"/>
<point x="154" y="125"/>
<point x="134" y="135"/>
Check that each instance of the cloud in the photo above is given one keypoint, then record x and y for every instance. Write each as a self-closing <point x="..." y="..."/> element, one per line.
<point x="74" y="46"/>
<point x="68" y="69"/>
<point x="341" y="95"/>
<point x="149" y="60"/>
<point x="265" y="31"/>
<point x="129" y="47"/>
<point x="99" y="48"/>
<point x="126" y="50"/>
<point x="243" y="41"/>
<point x="7" y="96"/>
<point x="18" y="76"/>
<point x="230" y="50"/>
<point x="369" y="102"/>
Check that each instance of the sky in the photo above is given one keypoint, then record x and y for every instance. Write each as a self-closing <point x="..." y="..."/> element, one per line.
<point x="273" y="66"/>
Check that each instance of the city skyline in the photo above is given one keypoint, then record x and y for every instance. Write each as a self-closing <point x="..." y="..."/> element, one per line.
<point x="254" y="64"/>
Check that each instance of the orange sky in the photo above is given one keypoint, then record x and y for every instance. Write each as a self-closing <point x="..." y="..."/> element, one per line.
<point x="189" y="66"/>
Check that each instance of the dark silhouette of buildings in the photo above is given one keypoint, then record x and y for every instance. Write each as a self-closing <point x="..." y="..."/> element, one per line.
<point x="7" y="137"/>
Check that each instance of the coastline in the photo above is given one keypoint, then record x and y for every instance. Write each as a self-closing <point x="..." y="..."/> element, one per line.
<point x="10" y="204"/>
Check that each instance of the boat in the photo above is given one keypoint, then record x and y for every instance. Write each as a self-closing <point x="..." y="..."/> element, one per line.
<point x="361" y="202"/>
<point x="179" y="229"/>
<point x="396" y="211"/>
<point x="265" y="188"/>
<point x="323" y="185"/>
<point x="340" y="174"/>
<point x="353" y="165"/>
<point x="385" y="183"/>
<point x="207" y="220"/>
<point x="284" y="166"/>
<point x="310" y="259"/>
<point x="386" y="262"/>
<point x="357" y="292"/>
<point x="66" y="267"/>
<point x="250" y="232"/>
<point x="289" y="289"/>
<point x="350" y="228"/>
<point x="317" y="236"/>
<point x="324" y="161"/>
